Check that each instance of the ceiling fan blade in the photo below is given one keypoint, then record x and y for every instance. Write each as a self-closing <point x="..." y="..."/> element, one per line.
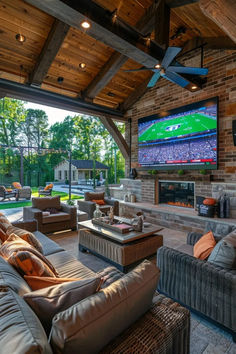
<point x="175" y="78"/>
<point x="140" y="69"/>
<point x="188" y="70"/>
<point x="154" y="79"/>
<point x="169" y="56"/>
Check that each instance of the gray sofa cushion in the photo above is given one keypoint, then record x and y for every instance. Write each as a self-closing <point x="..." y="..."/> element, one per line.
<point x="68" y="266"/>
<point x="49" y="246"/>
<point x="224" y="253"/>
<point x="93" y="322"/>
<point x="21" y="331"/>
<point x="49" y="301"/>
<point x="10" y="277"/>
<point x="188" y="249"/>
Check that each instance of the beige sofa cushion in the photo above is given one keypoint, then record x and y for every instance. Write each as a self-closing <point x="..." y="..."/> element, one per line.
<point x="89" y="325"/>
<point x="46" y="202"/>
<point x="56" y="218"/>
<point x="49" y="301"/>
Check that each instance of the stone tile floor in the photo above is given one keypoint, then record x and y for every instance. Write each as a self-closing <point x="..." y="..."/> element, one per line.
<point x="206" y="338"/>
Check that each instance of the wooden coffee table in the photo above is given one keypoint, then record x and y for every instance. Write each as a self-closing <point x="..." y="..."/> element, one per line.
<point x="121" y="250"/>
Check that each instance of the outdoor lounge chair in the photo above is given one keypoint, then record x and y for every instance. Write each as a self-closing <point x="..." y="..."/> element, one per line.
<point x="46" y="191"/>
<point x="23" y="192"/>
<point x="7" y="194"/>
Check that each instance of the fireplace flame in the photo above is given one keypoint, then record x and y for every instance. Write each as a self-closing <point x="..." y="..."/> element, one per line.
<point x="180" y="204"/>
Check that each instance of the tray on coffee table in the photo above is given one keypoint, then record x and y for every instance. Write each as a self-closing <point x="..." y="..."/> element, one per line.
<point x="117" y="225"/>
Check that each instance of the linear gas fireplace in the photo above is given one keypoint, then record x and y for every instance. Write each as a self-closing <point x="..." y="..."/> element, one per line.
<point x="177" y="193"/>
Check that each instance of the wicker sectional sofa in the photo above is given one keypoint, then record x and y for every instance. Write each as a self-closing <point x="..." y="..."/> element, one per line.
<point x="200" y="285"/>
<point x="163" y="329"/>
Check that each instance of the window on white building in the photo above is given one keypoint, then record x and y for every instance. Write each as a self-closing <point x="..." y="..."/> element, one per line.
<point x="66" y="174"/>
<point x="59" y="174"/>
<point x="73" y="175"/>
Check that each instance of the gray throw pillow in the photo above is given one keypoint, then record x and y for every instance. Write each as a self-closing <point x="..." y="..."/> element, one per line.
<point x="49" y="301"/>
<point x="224" y="253"/>
<point x="93" y="322"/>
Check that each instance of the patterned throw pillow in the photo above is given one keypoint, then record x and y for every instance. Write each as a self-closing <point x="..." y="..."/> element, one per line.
<point x="26" y="236"/>
<point x="4" y="222"/>
<point x="3" y="235"/>
<point x="25" y="258"/>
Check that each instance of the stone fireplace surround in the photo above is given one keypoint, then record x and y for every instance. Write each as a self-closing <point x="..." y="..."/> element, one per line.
<point x="184" y="219"/>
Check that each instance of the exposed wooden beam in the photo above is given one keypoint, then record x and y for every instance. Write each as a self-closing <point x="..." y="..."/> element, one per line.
<point x="48" y="98"/>
<point x="177" y="3"/>
<point x="135" y="95"/>
<point x="117" y="60"/>
<point x="111" y="67"/>
<point x="162" y="25"/>
<point x="223" y="13"/>
<point x="119" y="36"/>
<point x="116" y="134"/>
<point x="50" y="49"/>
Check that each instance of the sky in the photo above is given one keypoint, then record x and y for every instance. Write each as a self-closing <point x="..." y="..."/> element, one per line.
<point x="54" y="114"/>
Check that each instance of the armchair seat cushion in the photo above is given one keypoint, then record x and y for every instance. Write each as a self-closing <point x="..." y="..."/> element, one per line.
<point x="56" y="218"/>
<point x="187" y="249"/>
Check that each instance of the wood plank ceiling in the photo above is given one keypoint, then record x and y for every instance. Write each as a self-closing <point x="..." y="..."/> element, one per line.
<point x="19" y="60"/>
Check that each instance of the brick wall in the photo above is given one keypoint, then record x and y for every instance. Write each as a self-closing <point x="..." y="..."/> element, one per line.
<point x="221" y="81"/>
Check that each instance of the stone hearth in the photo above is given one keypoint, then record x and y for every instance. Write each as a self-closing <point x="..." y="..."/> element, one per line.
<point x="146" y="191"/>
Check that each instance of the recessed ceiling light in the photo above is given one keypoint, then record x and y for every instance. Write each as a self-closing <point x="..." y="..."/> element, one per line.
<point x="157" y="66"/>
<point x="194" y="87"/>
<point x="60" y="79"/>
<point x="82" y="65"/>
<point x="85" y="24"/>
<point x="20" y="38"/>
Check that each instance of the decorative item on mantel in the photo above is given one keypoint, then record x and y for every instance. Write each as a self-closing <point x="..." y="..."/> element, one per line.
<point x="132" y="198"/>
<point x="97" y="213"/>
<point x="133" y="173"/>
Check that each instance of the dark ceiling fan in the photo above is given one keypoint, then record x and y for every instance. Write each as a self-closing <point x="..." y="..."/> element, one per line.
<point x="170" y="72"/>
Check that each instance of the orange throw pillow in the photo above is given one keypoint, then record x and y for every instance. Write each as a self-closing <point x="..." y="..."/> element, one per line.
<point x="8" y="189"/>
<point x="25" y="258"/>
<point x="203" y="247"/>
<point x="26" y="236"/>
<point x="37" y="283"/>
<point x="99" y="201"/>
<point x="17" y="185"/>
<point x="49" y="186"/>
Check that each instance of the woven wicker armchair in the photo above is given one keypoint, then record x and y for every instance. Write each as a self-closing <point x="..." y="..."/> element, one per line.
<point x="45" y="191"/>
<point x="88" y="205"/>
<point x="5" y="194"/>
<point x="200" y="285"/>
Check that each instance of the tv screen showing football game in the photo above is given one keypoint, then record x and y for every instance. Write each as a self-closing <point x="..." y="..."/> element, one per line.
<point x="184" y="137"/>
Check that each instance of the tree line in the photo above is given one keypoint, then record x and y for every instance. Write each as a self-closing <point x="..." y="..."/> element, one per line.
<point x="46" y="146"/>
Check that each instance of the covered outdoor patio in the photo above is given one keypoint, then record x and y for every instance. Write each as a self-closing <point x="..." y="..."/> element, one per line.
<point x="166" y="69"/>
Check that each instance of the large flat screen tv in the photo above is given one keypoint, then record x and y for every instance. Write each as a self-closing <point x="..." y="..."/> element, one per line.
<point x="183" y="138"/>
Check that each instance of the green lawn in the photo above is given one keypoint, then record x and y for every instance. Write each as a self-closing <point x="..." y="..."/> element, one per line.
<point x="184" y="125"/>
<point x="64" y="197"/>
